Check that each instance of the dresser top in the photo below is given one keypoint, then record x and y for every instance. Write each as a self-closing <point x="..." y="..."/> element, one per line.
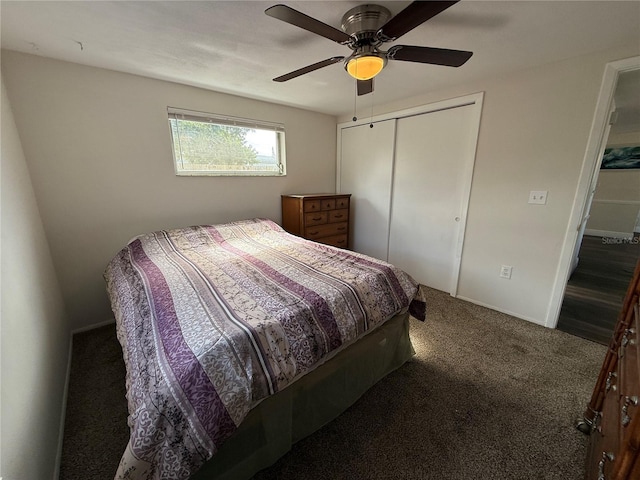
<point x="318" y="195"/>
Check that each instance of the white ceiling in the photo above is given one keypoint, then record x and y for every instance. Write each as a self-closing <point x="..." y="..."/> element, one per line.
<point x="234" y="47"/>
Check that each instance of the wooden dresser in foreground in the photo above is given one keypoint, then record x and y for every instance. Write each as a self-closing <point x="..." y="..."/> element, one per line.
<point x="613" y="414"/>
<point x="322" y="217"/>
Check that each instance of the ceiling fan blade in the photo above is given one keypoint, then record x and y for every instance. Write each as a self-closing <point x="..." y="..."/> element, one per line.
<point x="299" y="19"/>
<point x="412" y="16"/>
<point x="307" y="69"/>
<point x="365" y="86"/>
<point x="436" y="56"/>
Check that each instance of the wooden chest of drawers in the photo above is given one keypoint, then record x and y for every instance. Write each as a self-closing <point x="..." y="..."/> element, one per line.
<point x="322" y="217"/>
<point x="613" y="414"/>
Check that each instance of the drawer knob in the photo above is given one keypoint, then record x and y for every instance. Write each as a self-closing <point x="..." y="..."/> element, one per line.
<point x="338" y="216"/>
<point x="626" y="419"/>
<point x="596" y="422"/>
<point x="317" y="219"/>
<point x="605" y="456"/>
<point x="314" y="233"/>
<point x="609" y="383"/>
<point x="625" y="337"/>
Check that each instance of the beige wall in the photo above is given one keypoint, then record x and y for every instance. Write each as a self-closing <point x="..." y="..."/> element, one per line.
<point x="99" y="152"/>
<point x="533" y="135"/>
<point x="98" y="147"/>
<point x="34" y="331"/>
<point x="616" y="203"/>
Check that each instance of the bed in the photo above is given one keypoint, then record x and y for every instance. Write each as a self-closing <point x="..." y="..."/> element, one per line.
<point x="240" y="339"/>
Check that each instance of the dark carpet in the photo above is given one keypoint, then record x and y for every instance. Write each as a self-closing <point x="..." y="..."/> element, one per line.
<point x="487" y="396"/>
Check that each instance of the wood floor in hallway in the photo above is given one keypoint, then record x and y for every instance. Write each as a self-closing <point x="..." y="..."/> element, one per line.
<point x="596" y="289"/>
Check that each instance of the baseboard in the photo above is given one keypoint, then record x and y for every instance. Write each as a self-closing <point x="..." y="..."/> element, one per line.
<point x="501" y="310"/>
<point x="607" y="234"/>
<point x="63" y="414"/>
<point x="93" y="326"/>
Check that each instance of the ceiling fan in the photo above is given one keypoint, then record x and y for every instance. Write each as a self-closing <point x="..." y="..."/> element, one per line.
<point x="364" y="29"/>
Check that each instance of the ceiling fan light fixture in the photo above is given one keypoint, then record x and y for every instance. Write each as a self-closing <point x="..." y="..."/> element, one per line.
<point x="365" y="29"/>
<point x="365" y="67"/>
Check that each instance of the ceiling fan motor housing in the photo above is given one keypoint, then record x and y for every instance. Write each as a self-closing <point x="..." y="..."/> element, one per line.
<point x="363" y="22"/>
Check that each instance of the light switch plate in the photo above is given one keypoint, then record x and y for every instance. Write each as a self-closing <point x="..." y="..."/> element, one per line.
<point x="538" y="197"/>
<point x="505" y="271"/>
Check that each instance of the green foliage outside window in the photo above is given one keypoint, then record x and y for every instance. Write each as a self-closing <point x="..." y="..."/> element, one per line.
<point x="203" y="147"/>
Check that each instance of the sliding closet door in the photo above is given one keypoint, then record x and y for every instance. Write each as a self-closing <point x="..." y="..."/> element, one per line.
<point x="434" y="152"/>
<point x="366" y="164"/>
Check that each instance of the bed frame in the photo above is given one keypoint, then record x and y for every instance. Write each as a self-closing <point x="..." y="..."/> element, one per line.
<point x="275" y="424"/>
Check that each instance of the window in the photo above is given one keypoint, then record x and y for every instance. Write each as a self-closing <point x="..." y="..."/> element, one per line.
<point x="208" y="144"/>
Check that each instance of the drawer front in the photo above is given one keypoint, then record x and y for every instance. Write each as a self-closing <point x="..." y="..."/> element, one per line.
<point x="328" y="204"/>
<point x="594" y="454"/>
<point x="326" y="230"/>
<point x="312" y="206"/>
<point x="335" y="240"/>
<point x="341" y="215"/>
<point x="609" y="422"/>
<point x="604" y="441"/>
<point x="316" y="218"/>
<point x="629" y="371"/>
<point x="342" y="202"/>
<point x="628" y="359"/>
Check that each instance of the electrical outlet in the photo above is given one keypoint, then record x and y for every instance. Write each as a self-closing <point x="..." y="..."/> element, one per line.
<point x="505" y="271"/>
<point x="538" y="197"/>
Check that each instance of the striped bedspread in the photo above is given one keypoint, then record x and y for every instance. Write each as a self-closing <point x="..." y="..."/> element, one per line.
<point x="213" y="319"/>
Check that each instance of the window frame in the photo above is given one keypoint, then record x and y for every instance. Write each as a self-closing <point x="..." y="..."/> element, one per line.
<point x="177" y="114"/>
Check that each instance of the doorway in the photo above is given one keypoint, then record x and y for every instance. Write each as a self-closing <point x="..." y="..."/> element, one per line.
<point x="574" y="241"/>
<point x="596" y="289"/>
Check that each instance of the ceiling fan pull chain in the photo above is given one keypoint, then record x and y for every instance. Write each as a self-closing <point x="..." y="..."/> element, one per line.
<point x="355" y="98"/>
<point x="371" y="114"/>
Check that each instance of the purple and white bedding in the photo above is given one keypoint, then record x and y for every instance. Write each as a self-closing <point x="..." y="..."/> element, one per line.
<point x="212" y="319"/>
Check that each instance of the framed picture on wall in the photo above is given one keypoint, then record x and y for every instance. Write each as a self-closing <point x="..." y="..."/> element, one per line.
<point x="617" y="158"/>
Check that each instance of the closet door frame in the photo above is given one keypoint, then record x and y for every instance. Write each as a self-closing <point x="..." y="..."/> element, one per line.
<point x="474" y="100"/>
